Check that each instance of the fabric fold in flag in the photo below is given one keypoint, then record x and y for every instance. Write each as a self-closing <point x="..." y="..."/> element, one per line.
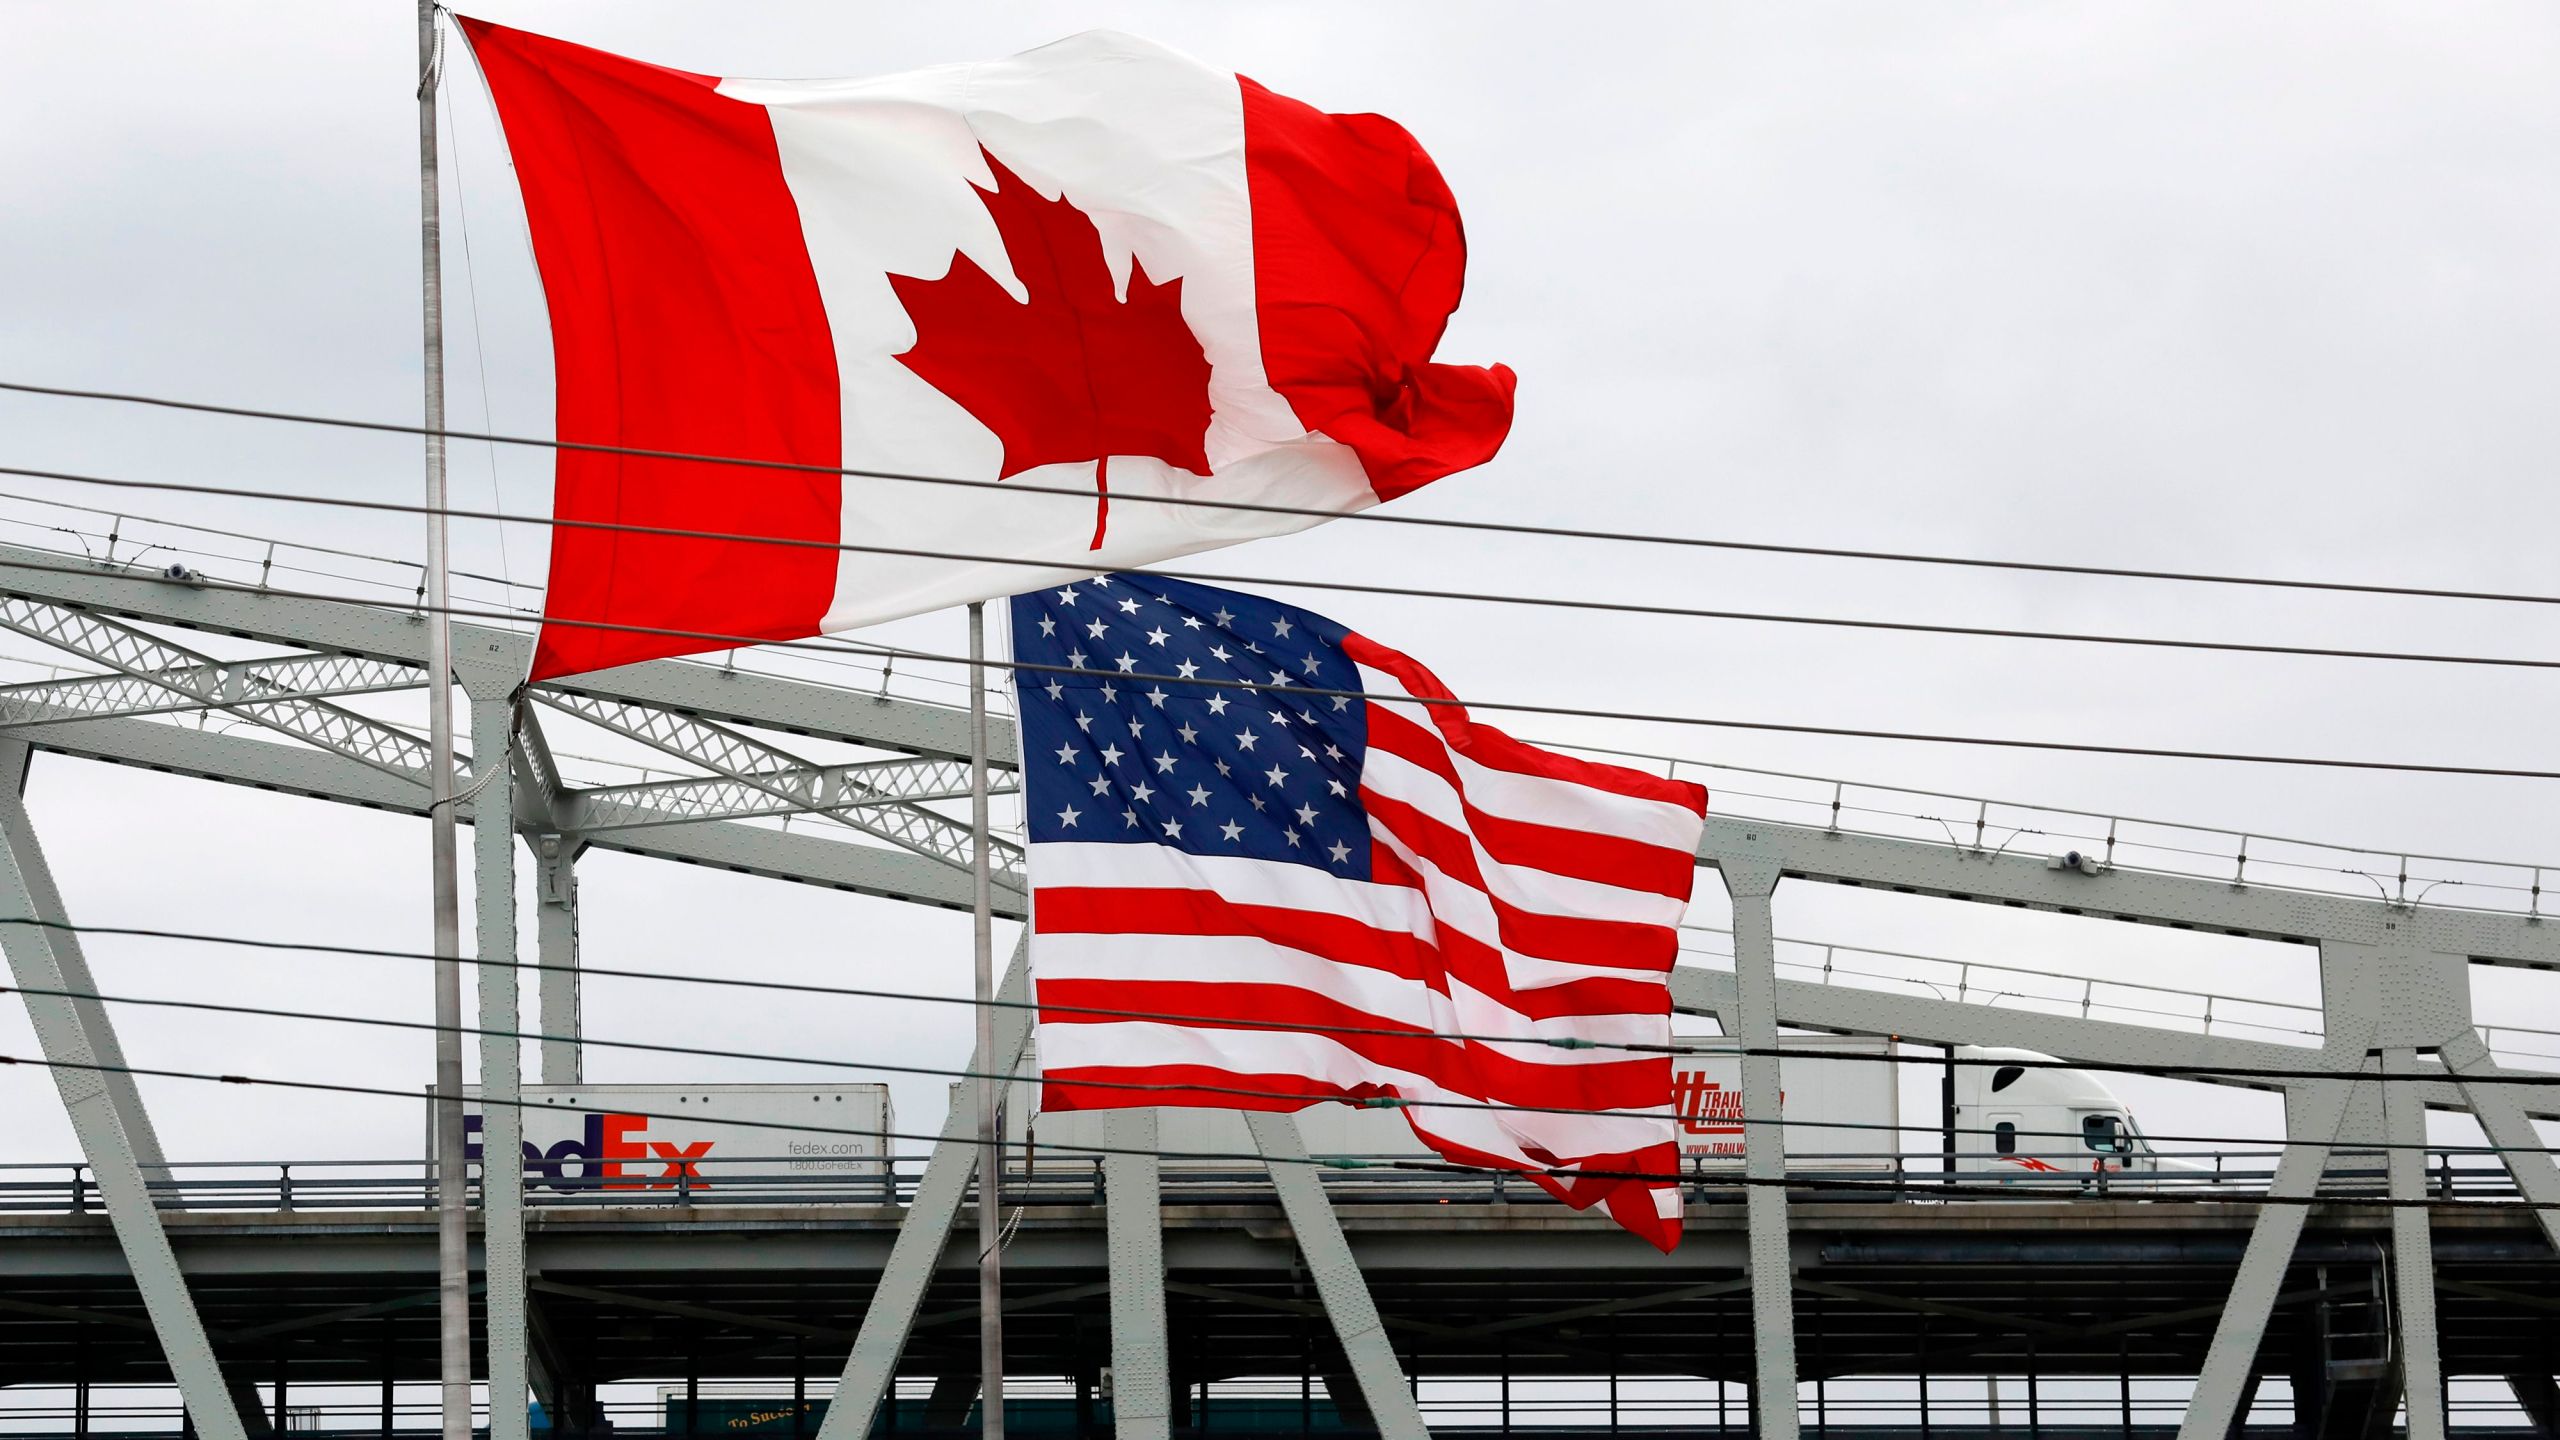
<point x="1309" y="894"/>
<point x="1098" y="267"/>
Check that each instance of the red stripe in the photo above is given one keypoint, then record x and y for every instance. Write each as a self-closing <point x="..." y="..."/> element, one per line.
<point x="1621" y="944"/>
<point x="1465" y="1067"/>
<point x="1556" y="849"/>
<point x="1494" y="750"/>
<point x="1358" y="259"/>
<point x="1341" y="940"/>
<point x="685" y="315"/>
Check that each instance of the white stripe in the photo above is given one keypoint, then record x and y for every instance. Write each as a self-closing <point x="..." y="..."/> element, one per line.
<point x="1538" y="799"/>
<point x="1397" y="908"/>
<point x="1386" y="999"/>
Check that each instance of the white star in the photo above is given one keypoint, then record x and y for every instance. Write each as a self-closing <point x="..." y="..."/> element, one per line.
<point x="1127" y="662"/>
<point x="1293" y="838"/>
<point x="1217" y="704"/>
<point x="1157" y="636"/>
<point x="1199" y="795"/>
<point x="1067" y="817"/>
<point x="1306" y="814"/>
<point x="1067" y="596"/>
<point x="1084" y="722"/>
<point x="1277" y="776"/>
<point x="1245" y="739"/>
<point x="1110" y="691"/>
<point x="1280" y="628"/>
<point x="1279" y="677"/>
<point x="1309" y="665"/>
<point x="1190" y="622"/>
<point x="1164" y="599"/>
<point x="1341" y="702"/>
<point x="1332" y="753"/>
<point x="1144" y="793"/>
<point x="1339" y="851"/>
<point x="1067" y="754"/>
<point x="1048" y="626"/>
<point x="1231" y="830"/>
<point x="1251" y="648"/>
<point x="1223" y="618"/>
<point x="1173" y="828"/>
<point x="1279" y="717"/>
<point x="1306" y="754"/>
<point x="1129" y="819"/>
<point x="1101" y="582"/>
<point x="1223" y="771"/>
<point x="1336" y="787"/>
<point x="1155" y="696"/>
<point x="1110" y="754"/>
<point x="1257" y="801"/>
<point x="1101" y="784"/>
<point x="1129" y="607"/>
<point x="1075" y="659"/>
<point x="1164" y="763"/>
<point x="1218" y="652"/>
<point x="1094" y="629"/>
<point x="1138" y="729"/>
<point x="1186" y="669"/>
<point x="1188" y="734"/>
<point x="1057" y="691"/>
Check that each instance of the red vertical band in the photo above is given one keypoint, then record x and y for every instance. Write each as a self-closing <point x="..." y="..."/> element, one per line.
<point x="1358" y="261"/>
<point x="685" y="316"/>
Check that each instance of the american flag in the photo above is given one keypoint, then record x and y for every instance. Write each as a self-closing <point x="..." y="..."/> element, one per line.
<point x="1263" y="861"/>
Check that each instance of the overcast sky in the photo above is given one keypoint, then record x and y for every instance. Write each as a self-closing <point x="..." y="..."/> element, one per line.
<point x="2264" y="289"/>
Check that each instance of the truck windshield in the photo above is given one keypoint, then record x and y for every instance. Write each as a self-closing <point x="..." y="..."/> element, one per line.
<point x="2106" y="1134"/>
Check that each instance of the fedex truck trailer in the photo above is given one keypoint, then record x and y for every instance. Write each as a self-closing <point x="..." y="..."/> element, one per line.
<point x="586" y="1138"/>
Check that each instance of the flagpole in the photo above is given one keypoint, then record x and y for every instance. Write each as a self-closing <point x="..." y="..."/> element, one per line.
<point x="453" y="1236"/>
<point x="990" y="1092"/>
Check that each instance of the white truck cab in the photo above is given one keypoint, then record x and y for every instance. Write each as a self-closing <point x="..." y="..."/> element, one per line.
<point x="2029" y="1118"/>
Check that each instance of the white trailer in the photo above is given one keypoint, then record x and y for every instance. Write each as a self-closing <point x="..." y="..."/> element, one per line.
<point x="586" y="1138"/>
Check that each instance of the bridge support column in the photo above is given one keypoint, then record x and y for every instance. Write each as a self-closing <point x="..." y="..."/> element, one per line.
<point x="1752" y="881"/>
<point x="2313" y="1115"/>
<point x="2413" y="1261"/>
<point x="106" y="1118"/>
<point x="555" y="892"/>
<point x="1347" y="1302"/>
<point x="917" y="1252"/>
<point x="1141" y="1365"/>
<point x="493" y="851"/>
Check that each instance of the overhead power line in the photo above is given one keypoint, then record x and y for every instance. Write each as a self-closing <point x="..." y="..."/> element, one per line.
<point x="1350" y="587"/>
<point x="1369" y="517"/>
<point x="710" y="639"/>
<point x="1440" y="1167"/>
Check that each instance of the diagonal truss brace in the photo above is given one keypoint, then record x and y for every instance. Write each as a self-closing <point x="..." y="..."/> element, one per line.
<point x="805" y="790"/>
<point x="856" y="800"/>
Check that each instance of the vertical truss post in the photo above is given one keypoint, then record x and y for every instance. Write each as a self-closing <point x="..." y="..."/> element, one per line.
<point x="555" y="891"/>
<point x="1336" y="1273"/>
<point x="493" y="852"/>
<point x="1141" y="1365"/>
<point x="2413" y="1260"/>
<point x="873" y="1363"/>
<point x="1751" y="882"/>
<point x="2313" y="1114"/>
<point x="36" y="963"/>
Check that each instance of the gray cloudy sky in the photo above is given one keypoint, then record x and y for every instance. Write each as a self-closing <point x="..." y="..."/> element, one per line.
<point x="2263" y="288"/>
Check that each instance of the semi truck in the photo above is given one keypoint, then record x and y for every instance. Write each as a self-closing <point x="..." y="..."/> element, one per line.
<point x="641" y="1138"/>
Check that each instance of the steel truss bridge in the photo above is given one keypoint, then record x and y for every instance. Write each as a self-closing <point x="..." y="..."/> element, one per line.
<point x="1785" y="1300"/>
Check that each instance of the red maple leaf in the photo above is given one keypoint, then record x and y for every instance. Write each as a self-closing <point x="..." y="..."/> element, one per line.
<point x="1075" y="373"/>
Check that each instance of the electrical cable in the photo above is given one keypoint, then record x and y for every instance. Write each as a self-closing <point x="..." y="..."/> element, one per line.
<point x="1236" y="1091"/>
<point x="503" y="519"/>
<point x="716" y="639"/>
<point x="1781" y="1051"/>
<point x="1479" y="526"/>
<point x="1987" y="1192"/>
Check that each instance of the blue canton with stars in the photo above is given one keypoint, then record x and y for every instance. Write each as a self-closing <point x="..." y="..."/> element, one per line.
<point x="1121" y="744"/>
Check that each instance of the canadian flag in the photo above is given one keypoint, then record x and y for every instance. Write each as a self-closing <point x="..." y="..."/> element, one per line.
<point x="1097" y="267"/>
